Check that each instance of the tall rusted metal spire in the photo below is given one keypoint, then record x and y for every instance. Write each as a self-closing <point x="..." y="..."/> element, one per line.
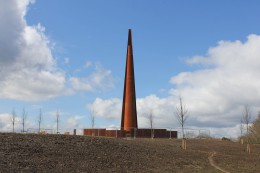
<point x="129" y="113"/>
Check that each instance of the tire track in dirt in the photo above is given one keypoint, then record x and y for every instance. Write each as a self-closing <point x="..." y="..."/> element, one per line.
<point x="212" y="163"/>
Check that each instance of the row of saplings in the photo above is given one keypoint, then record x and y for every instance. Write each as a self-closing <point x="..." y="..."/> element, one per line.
<point x="252" y="135"/>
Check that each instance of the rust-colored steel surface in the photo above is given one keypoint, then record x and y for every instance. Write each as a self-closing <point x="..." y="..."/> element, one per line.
<point x="129" y="114"/>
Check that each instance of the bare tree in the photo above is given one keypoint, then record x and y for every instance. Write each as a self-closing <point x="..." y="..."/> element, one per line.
<point x="241" y="127"/>
<point x="151" y="122"/>
<point x="247" y="120"/>
<point x="57" y="121"/>
<point x="247" y="117"/>
<point x="181" y="113"/>
<point x="13" y="118"/>
<point x="92" y="118"/>
<point x="255" y="130"/>
<point x="24" y="116"/>
<point x="40" y="120"/>
<point x="241" y="130"/>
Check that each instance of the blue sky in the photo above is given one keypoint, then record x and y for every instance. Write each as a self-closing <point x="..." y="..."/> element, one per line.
<point x="70" y="56"/>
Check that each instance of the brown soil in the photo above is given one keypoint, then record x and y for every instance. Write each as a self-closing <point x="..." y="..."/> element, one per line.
<point x="60" y="153"/>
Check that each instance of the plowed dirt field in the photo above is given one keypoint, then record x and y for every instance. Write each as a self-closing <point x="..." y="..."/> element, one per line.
<point x="61" y="153"/>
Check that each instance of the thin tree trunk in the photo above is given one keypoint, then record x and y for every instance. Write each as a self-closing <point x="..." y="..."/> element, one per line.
<point x="248" y="148"/>
<point x="184" y="144"/>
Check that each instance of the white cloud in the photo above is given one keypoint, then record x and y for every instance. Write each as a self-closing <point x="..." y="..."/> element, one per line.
<point x="73" y="122"/>
<point x="28" y="69"/>
<point x="5" y="122"/>
<point x="88" y="64"/>
<point x="81" y="84"/>
<point x="162" y="109"/>
<point x="66" y="60"/>
<point x="216" y="95"/>
<point x="7" y="126"/>
<point x="100" y="79"/>
<point x="110" y="109"/>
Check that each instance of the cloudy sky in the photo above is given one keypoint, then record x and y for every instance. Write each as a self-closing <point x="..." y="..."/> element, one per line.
<point x="69" y="56"/>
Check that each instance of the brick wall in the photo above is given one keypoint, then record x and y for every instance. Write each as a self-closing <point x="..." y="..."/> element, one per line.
<point x="138" y="133"/>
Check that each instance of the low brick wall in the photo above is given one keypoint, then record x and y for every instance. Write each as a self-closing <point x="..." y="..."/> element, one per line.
<point x="115" y="133"/>
<point x="157" y="133"/>
<point x="138" y="133"/>
<point x="94" y="132"/>
<point x="172" y="134"/>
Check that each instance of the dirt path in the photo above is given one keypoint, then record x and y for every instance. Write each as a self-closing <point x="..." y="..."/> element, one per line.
<point x="212" y="163"/>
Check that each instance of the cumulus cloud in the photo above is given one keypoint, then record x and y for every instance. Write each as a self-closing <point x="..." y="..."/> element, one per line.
<point x="81" y="84"/>
<point x="73" y="121"/>
<point x="5" y="122"/>
<point x="162" y="109"/>
<point x="28" y="69"/>
<point x="217" y="93"/>
<point x="101" y="78"/>
<point x="109" y="109"/>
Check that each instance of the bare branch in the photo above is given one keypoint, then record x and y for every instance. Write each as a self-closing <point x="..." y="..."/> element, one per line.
<point x="151" y="118"/>
<point x="181" y="113"/>
<point x="247" y="117"/>
<point x="151" y="122"/>
<point x="24" y="116"/>
<point x="254" y="130"/>
<point x="40" y="120"/>
<point x="241" y="127"/>
<point x="92" y="118"/>
<point x="57" y="121"/>
<point x="13" y="118"/>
